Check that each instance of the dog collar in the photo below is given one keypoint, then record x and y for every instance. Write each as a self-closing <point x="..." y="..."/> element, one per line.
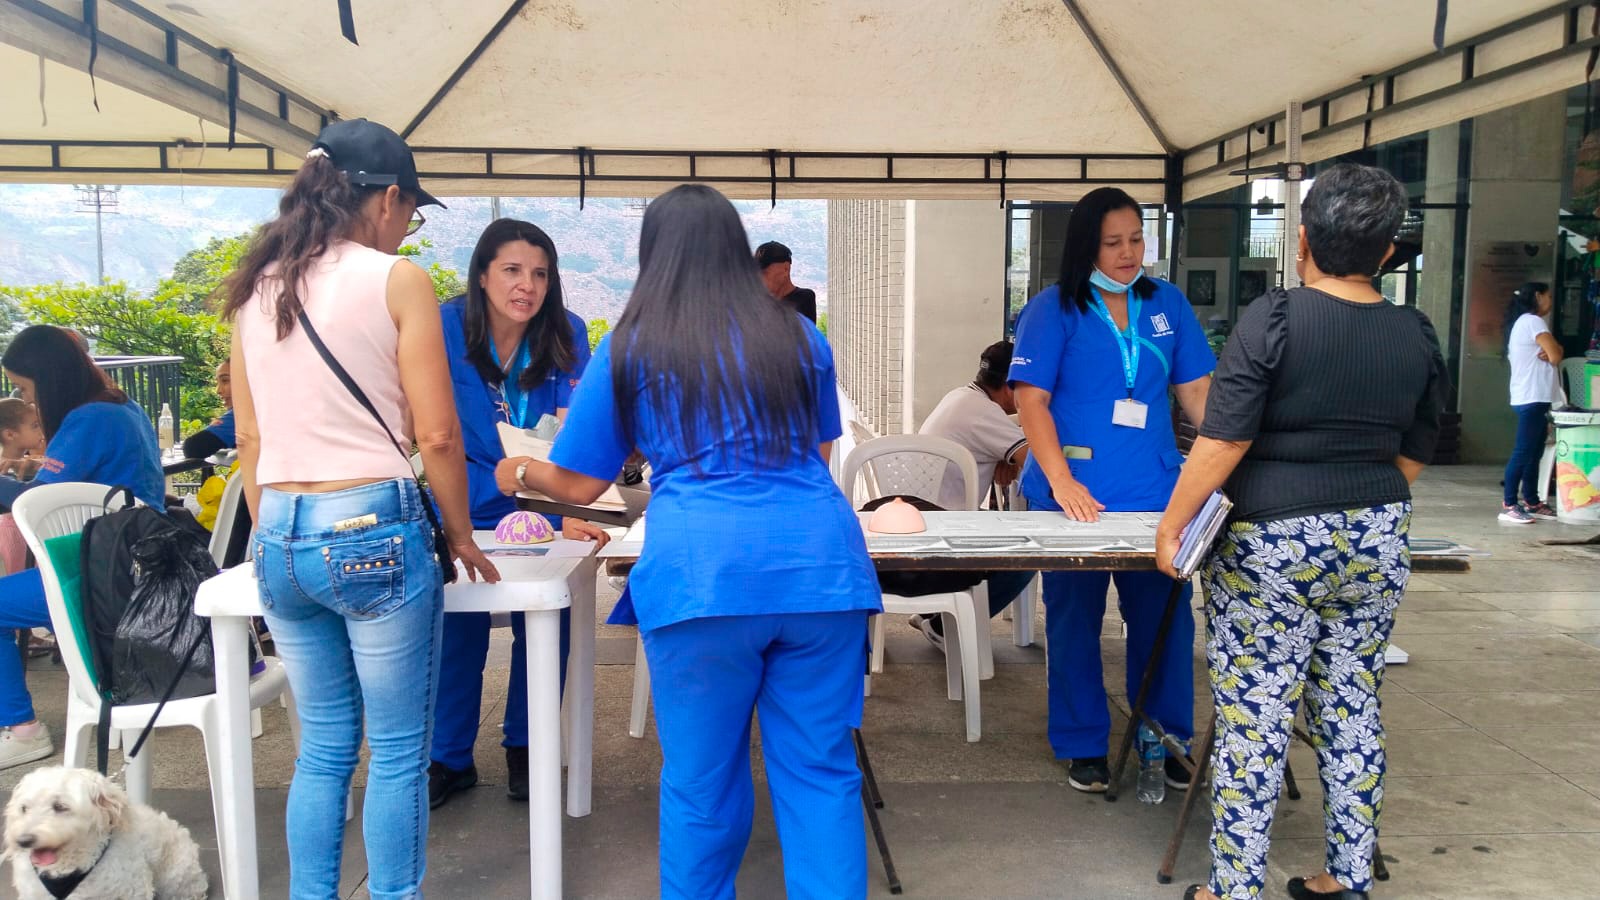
<point x="62" y="886"/>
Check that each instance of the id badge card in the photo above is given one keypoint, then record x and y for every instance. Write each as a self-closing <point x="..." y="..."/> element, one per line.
<point x="1129" y="413"/>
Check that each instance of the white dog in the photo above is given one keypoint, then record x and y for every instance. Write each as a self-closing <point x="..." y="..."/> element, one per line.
<point x="72" y="833"/>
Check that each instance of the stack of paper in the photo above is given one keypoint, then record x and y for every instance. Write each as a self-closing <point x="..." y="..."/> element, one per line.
<point x="1200" y="534"/>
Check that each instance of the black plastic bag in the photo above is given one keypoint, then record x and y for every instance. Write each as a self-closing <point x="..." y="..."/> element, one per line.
<point x="160" y="643"/>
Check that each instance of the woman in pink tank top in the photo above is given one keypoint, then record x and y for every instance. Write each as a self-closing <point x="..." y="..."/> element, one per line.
<point x="344" y="553"/>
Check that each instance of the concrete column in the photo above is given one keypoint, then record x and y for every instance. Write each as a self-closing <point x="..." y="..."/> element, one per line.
<point x="955" y="264"/>
<point x="1517" y="158"/>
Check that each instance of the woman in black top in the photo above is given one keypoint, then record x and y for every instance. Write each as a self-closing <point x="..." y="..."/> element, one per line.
<point x="1324" y="409"/>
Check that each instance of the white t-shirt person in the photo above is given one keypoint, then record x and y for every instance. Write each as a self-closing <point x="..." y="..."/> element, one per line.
<point x="1533" y="380"/>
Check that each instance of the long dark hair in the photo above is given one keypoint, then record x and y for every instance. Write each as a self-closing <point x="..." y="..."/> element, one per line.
<point x="320" y="207"/>
<point x="1525" y="300"/>
<point x="64" y="377"/>
<point x="1082" y="246"/>
<point x="549" y="334"/>
<point x="701" y="332"/>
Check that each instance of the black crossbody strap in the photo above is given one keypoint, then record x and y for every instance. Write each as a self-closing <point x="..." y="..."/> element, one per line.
<point x="350" y="384"/>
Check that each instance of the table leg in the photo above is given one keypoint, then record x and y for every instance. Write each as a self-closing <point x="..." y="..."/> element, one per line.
<point x="544" y="753"/>
<point x="236" y="815"/>
<point x="580" y="690"/>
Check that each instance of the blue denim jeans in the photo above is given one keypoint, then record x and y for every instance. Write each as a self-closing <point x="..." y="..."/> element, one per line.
<point x="1523" y="469"/>
<point x="353" y="595"/>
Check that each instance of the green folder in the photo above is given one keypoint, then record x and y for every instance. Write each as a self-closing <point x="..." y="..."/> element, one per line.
<point x="66" y="556"/>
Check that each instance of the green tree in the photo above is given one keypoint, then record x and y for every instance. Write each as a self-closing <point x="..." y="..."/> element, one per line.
<point x="198" y="273"/>
<point x="447" y="282"/>
<point x="598" y="328"/>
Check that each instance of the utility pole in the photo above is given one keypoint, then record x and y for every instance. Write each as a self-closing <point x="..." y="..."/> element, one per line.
<point x="494" y="209"/>
<point x="100" y="199"/>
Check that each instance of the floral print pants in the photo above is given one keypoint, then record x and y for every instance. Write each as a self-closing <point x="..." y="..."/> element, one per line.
<point x="1301" y="608"/>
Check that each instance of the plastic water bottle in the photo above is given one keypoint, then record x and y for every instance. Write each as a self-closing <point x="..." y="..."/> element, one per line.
<point x="164" y="427"/>
<point x="1152" y="767"/>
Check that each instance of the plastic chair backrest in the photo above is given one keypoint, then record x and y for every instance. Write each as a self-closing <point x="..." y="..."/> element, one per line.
<point x="912" y="464"/>
<point x="1577" y="386"/>
<point x="227" y="513"/>
<point x="855" y="434"/>
<point x="50" y="511"/>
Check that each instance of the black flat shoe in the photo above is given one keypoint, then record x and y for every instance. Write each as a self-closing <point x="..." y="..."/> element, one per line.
<point x="1299" y="891"/>
<point x="517" y="773"/>
<point x="1193" y="891"/>
<point x="444" y="782"/>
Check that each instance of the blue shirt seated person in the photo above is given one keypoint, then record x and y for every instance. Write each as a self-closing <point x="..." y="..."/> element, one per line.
<point x="217" y="436"/>
<point x="95" y="434"/>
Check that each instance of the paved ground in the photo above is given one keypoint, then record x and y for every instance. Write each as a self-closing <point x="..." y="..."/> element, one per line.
<point x="1492" y="789"/>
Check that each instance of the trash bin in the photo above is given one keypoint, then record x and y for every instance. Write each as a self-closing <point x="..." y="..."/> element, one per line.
<point x="1577" y="466"/>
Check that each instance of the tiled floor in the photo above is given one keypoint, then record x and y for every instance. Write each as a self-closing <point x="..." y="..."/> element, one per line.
<point x="1492" y="793"/>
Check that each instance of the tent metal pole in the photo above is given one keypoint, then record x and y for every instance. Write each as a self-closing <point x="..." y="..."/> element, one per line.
<point x="1294" y="173"/>
<point x="1093" y="38"/>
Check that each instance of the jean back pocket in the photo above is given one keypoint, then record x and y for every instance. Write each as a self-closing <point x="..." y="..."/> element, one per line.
<point x="368" y="578"/>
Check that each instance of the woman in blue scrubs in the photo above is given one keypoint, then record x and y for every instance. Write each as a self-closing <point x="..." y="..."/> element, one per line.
<point x="1095" y="356"/>
<point x="754" y="587"/>
<point x="516" y="353"/>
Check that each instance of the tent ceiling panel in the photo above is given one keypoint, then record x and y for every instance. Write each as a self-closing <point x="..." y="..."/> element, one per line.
<point x="67" y="110"/>
<point x="404" y="55"/>
<point x="934" y="76"/>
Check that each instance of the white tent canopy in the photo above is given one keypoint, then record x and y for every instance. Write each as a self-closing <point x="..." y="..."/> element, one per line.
<point x="1028" y="99"/>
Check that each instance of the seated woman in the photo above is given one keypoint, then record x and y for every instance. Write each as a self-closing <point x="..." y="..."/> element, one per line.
<point x="219" y="434"/>
<point x="515" y="355"/>
<point x="94" y="433"/>
<point x="1325" y="408"/>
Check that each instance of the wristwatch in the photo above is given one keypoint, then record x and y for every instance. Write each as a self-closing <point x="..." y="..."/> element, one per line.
<point x="522" y="471"/>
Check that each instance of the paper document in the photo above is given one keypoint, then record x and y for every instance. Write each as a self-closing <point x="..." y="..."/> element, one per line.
<point x="1200" y="534"/>
<point x="521" y="442"/>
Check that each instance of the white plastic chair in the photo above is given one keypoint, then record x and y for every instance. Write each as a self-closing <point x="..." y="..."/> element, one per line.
<point x="227" y="512"/>
<point x="54" y="510"/>
<point x="915" y="464"/>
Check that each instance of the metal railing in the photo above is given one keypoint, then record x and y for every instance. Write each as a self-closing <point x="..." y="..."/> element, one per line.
<point x="149" y="381"/>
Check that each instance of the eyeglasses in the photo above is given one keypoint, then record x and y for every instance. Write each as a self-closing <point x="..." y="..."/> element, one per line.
<point x="416" y="223"/>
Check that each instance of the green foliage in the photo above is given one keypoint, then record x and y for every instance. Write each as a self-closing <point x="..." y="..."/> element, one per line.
<point x="598" y="328"/>
<point x="447" y="283"/>
<point x="198" y="273"/>
<point x="822" y="323"/>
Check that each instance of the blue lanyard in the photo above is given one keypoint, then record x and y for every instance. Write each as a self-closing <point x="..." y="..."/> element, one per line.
<point x="513" y="399"/>
<point x="1127" y="342"/>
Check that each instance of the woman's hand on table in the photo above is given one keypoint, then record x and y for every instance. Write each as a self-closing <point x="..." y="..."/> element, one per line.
<point x="25" y="468"/>
<point x="579" y="530"/>
<point x="1075" y="499"/>
<point x="473" y="561"/>
<point x="505" y="475"/>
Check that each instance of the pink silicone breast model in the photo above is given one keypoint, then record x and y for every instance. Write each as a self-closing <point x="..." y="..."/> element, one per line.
<point x="523" y="527"/>
<point x="896" y="517"/>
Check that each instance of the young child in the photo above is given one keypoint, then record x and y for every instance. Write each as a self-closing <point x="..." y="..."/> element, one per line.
<point x="21" y="437"/>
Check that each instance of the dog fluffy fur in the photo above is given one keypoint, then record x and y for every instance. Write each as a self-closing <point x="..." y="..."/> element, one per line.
<point x="60" y="820"/>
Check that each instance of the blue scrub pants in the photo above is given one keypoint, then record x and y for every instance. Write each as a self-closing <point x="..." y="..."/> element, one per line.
<point x="802" y="672"/>
<point x="22" y="605"/>
<point x="1074" y="608"/>
<point x="464" y="650"/>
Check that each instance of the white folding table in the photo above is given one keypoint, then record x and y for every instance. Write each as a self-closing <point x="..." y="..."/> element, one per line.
<point x="539" y="586"/>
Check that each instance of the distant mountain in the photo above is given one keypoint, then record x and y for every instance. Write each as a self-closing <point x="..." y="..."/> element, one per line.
<point x="45" y="236"/>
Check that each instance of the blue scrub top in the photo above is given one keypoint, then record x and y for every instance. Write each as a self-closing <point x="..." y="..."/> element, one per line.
<point x="224" y="429"/>
<point x="1073" y="355"/>
<point x="728" y="534"/>
<point x="104" y="443"/>
<point x="478" y="405"/>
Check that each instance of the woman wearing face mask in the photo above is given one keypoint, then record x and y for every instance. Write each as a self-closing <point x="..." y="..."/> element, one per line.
<point x="515" y="355"/>
<point x="1095" y="355"/>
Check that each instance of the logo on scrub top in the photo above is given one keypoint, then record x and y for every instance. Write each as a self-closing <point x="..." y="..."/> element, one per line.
<point x="1159" y="323"/>
<point x="1020" y="360"/>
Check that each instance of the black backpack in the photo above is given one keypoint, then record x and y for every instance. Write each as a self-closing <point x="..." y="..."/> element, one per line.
<point x="141" y="570"/>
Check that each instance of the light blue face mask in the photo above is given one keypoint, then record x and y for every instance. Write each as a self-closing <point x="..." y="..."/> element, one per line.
<point x="1110" y="285"/>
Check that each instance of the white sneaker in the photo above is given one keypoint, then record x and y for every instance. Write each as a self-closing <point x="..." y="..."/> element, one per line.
<point x="924" y="624"/>
<point x="1515" y="515"/>
<point x="14" y="750"/>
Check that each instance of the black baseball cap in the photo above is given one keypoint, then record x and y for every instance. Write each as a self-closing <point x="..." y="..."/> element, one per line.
<point x="372" y="156"/>
<point x="772" y="253"/>
<point x="994" y="364"/>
